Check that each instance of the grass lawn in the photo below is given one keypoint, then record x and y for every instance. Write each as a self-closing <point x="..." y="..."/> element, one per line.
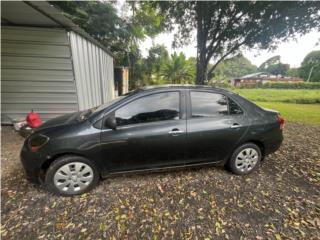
<point x="301" y="113"/>
<point x="281" y="95"/>
<point x="296" y="105"/>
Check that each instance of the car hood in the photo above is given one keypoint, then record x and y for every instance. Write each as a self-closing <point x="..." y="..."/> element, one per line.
<point x="66" y="119"/>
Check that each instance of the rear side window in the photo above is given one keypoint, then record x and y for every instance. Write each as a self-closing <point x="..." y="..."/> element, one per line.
<point x="151" y="108"/>
<point x="234" y="107"/>
<point x="205" y="104"/>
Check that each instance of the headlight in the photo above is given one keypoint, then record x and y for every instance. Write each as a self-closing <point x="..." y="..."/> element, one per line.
<point x="37" y="141"/>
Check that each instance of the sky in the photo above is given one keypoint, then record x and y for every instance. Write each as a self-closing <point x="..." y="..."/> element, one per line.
<point x="291" y="52"/>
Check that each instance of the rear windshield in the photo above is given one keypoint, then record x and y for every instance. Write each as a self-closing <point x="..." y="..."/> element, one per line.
<point x="248" y="102"/>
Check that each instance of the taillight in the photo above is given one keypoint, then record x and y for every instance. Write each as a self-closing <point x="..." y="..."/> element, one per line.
<point x="281" y="122"/>
<point x="37" y="141"/>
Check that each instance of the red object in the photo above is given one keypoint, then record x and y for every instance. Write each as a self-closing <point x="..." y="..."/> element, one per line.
<point x="281" y="122"/>
<point x="34" y="149"/>
<point x="33" y="119"/>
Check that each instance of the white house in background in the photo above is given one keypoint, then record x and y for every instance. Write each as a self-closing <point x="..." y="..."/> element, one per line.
<point x="49" y="64"/>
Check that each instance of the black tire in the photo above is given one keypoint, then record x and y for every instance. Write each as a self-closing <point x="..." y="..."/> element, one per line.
<point x="232" y="166"/>
<point x="68" y="159"/>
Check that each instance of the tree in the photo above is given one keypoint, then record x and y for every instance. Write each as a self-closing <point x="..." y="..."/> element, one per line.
<point x="101" y="21"/>
<point x="223" y="27"/>
<point x="274" y="66"/>
<point x="157" y="58"/>
<point x="233" y="67"/>
<point x="145" y="20"/>
<point x="121" y="35"/>
<point x="138" y="76"/>
<point x="293" y="72"/>
<point x="148" y="70"/>
<point x="179" y="69"/>
<point x="310" y="67"/>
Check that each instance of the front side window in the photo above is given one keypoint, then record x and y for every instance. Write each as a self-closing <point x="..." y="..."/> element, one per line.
<point x="205" y="104"/>
<point x="152" y="108"/>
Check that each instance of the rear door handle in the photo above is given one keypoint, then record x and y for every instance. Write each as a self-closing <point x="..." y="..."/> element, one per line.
<point x="235" y="125"/>
<point x="175" y="132"/>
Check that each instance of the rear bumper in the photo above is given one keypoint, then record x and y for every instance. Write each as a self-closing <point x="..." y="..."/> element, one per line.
<point x="31" y="163"/>
<point x="274" y="144"/>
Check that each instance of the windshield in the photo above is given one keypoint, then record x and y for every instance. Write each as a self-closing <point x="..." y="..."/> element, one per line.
<point x="108" y="104"/>
<point x="87" y="113"/>
<point x="84" y="115"/>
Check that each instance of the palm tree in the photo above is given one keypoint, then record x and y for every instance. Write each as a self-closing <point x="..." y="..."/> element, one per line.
<point x="178" y="70"/>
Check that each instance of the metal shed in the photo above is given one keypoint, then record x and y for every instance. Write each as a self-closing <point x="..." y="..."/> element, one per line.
<point x="49" y="64"/>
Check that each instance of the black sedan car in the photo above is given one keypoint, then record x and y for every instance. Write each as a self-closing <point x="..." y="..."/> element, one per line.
<point x="152" y="128"/>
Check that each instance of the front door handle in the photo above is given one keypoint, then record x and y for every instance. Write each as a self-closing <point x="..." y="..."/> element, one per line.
<point x="235" y="125"/>
<point x="175" y="132"/>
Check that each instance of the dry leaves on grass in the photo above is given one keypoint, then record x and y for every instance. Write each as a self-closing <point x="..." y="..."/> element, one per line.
<point x="279" y="201"/>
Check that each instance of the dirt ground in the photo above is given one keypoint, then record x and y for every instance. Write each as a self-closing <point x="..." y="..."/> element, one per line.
<point x="279" y="201"/>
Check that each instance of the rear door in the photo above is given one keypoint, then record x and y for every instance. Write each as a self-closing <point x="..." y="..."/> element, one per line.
<point x="215" y="124"/>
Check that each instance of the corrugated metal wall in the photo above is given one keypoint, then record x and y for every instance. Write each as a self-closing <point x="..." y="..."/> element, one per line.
<point x="93" y="70"/>
<point x="36" y="73"/>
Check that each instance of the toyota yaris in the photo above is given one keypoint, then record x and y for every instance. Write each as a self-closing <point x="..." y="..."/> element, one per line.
<point x="152" y="128"/>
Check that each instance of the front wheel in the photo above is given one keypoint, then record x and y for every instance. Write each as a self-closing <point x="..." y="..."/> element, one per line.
<point x="245" y="159"/>
<point x="71" y="175"/>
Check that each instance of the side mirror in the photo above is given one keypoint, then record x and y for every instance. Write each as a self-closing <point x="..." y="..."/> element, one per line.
<point x="110" y="122"/>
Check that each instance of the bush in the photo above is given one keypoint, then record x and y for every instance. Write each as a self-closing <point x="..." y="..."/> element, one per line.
<point x="300" y="85"/>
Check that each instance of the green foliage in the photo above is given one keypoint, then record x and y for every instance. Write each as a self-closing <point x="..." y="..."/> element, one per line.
<point x="138" y="73"/>
<point x="274" y="66"/>
<point x="222" y="28"/>
<point x="299" y="85"/>
<point x="281" y="95"/>
<point x="157" y="58"/>
<point x="146" y="20"/>
<point x="293" y="72"/>
<point x="311" y="66"/>
<point x="120" y="35"/>
<point x="160" y="68"/>
<point x="101" y="21"/>
<point x="225" y="26"/>
<point x="234" y="67"/>
<point x="179" y="69"/>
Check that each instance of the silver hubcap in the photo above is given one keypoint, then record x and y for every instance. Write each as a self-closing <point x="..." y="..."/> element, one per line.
<point x="73" y="177"/>
<point x="247" y="159"/>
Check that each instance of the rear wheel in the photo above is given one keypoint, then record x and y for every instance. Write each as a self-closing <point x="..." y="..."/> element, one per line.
<point x="245" y="159"/>
<point x="71" y="175"/>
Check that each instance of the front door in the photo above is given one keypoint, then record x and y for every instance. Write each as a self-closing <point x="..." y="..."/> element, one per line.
<point x="214" y="126"/>
<point x="150" y="133"/>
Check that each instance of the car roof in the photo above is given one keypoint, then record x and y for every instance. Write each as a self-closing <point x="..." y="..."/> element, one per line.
<point x="182" y="86"/>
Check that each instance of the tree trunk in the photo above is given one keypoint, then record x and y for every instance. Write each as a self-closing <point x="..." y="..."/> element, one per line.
<point x="201" y="70"/>
<point x="202" y="64"/>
